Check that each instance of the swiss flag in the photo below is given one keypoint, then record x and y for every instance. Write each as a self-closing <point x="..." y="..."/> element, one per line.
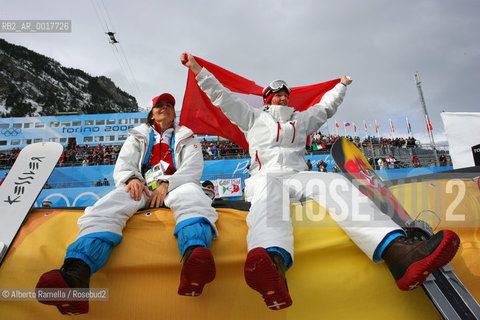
<point x="200" y="115"/>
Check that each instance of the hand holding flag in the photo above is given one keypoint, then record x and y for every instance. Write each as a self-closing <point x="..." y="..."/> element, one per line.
<point x="189" y="61"/>
<point x="346" y="80"/>
<point x="184" y="58"/>
<point x="201" y="116"/>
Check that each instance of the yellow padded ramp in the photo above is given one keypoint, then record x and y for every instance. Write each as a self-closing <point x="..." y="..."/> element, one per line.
<point x="331" y="278"/>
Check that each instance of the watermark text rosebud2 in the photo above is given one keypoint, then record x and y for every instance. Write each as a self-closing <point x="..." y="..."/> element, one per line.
<point x="343" y="202"/>
<point x="35" y="26"/>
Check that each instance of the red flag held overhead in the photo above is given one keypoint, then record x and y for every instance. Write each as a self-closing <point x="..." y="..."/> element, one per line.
<point x="200" y="115"/>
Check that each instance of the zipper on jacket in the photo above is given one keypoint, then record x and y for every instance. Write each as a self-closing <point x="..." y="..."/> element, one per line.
<point x="257" y="159"/>
<point x="278" y="130"/>
<point x="148" y="149"/>
<point x="293" y="125"/>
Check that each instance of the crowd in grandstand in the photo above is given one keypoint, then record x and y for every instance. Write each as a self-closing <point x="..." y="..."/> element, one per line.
<point x="227" y="149"/>
<point x="213" y="150"/>
<point x="86" y="155"/>
<point x="321" y="141"/>
<point x="8" y="158"/>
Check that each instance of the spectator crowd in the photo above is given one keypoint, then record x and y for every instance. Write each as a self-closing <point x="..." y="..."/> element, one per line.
<point x="89" y="156"/>
<point x="8" y="158"/>
<point x="319" y="141"/>
<point x="213" y="150"/>
<point x="86" y="155"/>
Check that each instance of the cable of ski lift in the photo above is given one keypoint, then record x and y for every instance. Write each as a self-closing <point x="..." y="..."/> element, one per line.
<point x="107" y="25"/>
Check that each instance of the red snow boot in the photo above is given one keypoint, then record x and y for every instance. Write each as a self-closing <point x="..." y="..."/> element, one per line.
<point x="198" y="269"/>
<point x="265" y="273"/>
<point x="74" y="273"/>
<point x="411" y="261"/>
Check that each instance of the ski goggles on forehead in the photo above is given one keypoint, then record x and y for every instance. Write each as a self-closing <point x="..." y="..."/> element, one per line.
<point x="276" y="86"/>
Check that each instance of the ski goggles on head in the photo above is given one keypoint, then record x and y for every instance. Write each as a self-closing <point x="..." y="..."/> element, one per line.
<point x="274" y="87"/>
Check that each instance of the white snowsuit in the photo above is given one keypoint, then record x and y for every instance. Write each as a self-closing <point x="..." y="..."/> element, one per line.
<point x="277" y="139"/>
<point x="381" y="164"/>
<point x="185" y="196"/>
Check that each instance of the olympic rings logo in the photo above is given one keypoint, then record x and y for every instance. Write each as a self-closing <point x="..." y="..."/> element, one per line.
<point x="10" y="132"/>
<point x="67" y="198"/>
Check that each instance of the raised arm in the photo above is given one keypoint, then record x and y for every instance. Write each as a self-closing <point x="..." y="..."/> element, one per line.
<point x="237" y="110"/>
<point x="189" y="61"/>
<point x="318" y="114"/>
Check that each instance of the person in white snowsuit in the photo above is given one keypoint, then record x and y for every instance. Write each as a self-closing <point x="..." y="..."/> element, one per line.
<point x="277" y="137"/>
<point x="381" y="164"/>
<point x="177" y="155"/>
<point x="391" y="162"/>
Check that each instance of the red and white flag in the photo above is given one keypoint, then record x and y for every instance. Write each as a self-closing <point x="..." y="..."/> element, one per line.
<point x="429" y="125"/>
<point x="392" y="130"/>
<point x="200" y="115"/>
<point x="409" y="127"/>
